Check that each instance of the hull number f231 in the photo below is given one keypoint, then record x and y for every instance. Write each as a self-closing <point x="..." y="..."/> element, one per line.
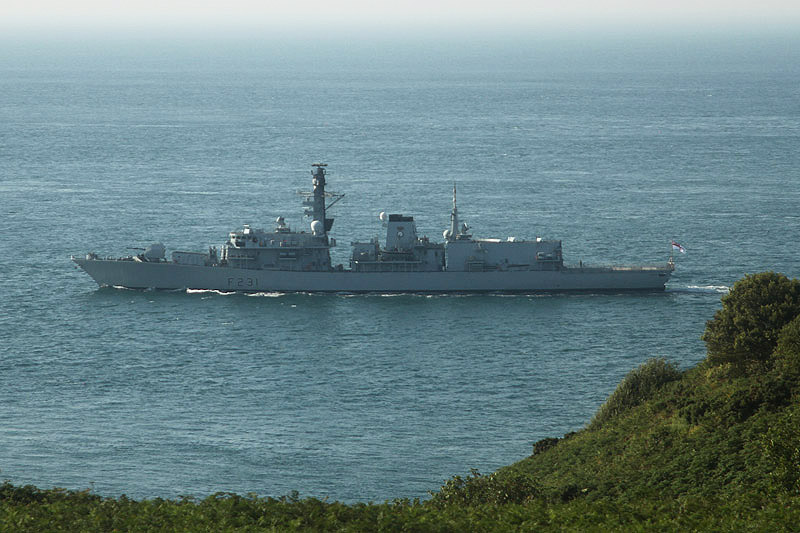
<point x="242" y="283"/>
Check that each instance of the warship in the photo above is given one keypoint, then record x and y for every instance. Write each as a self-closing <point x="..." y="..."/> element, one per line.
<point x="283" y="260"/>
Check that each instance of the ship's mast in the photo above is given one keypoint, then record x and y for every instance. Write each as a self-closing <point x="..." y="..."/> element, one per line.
<point x="316" y="199"/>
<point x="454" y="227"/>
<point x="318" y="208"/>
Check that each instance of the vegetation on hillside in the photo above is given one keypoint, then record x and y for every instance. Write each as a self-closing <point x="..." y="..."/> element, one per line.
<point x="753" y="314"/>
<point x="711" y="448"/>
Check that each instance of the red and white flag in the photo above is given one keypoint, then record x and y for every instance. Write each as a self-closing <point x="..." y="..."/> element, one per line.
<point x="676" y="246"/>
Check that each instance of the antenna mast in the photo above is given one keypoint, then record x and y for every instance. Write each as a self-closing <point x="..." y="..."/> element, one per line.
<point x="454" y="228"/>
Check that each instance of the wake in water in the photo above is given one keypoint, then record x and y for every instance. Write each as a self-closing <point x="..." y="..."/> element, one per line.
<point x="266" y="294"/>
<point x="702" y="289"/>
<point x="209" y="291"/>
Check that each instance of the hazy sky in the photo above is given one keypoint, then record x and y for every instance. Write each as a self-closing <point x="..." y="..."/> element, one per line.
<point x="445" y="15"/>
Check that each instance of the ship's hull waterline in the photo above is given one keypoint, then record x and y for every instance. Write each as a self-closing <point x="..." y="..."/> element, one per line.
<point x="171" y="276"/>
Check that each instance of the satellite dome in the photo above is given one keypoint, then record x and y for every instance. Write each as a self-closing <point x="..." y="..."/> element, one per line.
<point x="446" y="234"/>
<point x="382" y="216"/>
<point x="316" y="227"/>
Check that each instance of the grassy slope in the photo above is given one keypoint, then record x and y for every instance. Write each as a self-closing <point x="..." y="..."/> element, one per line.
<point x="697" y="437"/>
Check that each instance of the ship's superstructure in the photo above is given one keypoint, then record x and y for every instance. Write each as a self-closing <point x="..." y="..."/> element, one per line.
<point x="282" y="248"/>
<point x="287" y="260"/>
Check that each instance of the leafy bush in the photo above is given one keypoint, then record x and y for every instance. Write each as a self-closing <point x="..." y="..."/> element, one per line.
<point x="637" y="387"/>
<point x="545" y="444"/>
<point x="754" y="312"/>
<point x="782" y="449"/>
<point x="69" y="511"/>
<point x="764" y="392"/>
<point x="494" y="489"/>
<point x="787" y="351"/>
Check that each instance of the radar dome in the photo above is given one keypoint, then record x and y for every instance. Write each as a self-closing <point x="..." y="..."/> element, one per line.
<point x="316" y="227"/>
<point x="382" y="216"/>
<point x="446" y="234"/>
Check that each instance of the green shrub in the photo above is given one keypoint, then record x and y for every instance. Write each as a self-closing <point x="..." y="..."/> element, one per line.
<point x="494" y="489"/>
<point x="754" y="312"/>
<point x="787" y="351"/>
<point x="637" y="387"/>
<point x="763" y="392"/>
<point x="545" y="444"/>
<point x="782" y="450"/>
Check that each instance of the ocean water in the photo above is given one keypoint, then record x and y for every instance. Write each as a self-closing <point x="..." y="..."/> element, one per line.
<point x="370" y="397"/>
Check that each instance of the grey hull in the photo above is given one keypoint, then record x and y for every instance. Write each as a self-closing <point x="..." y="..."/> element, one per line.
<point x="166" y="275"/>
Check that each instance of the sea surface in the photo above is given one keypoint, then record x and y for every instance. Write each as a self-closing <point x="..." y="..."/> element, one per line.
<point x="363" y="397"/>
